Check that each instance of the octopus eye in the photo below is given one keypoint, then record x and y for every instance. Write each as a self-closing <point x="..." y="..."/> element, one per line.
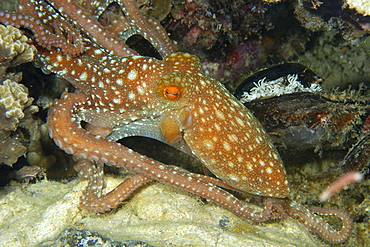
<point x="171" y="92"/>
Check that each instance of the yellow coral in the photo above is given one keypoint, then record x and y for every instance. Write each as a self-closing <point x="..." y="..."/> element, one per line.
<point x="14" y="49"/>
<point x="14" y="98"/>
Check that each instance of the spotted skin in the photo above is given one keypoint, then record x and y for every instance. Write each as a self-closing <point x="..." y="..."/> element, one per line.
<point x="224" y="135"/>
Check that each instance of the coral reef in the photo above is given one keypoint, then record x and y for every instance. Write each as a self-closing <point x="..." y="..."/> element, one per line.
<point x="158" y="9"/>
<point x="14" y="99"/>
<point x="23" y="133"/>
<point x="15" y="103"/>
<point x="326" y="15"/>
<point x="10" y="148"/>
<point x="339" y="61"/>
<point x="223" y="34"/>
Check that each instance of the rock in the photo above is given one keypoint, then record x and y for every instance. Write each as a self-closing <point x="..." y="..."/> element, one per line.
<point x="159" y="215"/>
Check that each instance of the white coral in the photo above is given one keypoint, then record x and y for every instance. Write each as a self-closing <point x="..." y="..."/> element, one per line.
<point x="361" y="6"/>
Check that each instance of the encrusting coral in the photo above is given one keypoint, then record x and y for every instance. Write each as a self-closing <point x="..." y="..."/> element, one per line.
<point x="15" y="102"/>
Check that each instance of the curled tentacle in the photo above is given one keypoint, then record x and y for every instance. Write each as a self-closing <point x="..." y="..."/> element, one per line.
<point x="43" y="36"/>
<point x="311" y="220"/>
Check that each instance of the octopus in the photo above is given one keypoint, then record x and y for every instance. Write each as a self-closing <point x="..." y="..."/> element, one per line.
<point x="120" y="93"/>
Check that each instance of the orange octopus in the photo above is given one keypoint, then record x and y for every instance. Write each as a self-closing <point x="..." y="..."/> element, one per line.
<point x="119" y="94"/>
